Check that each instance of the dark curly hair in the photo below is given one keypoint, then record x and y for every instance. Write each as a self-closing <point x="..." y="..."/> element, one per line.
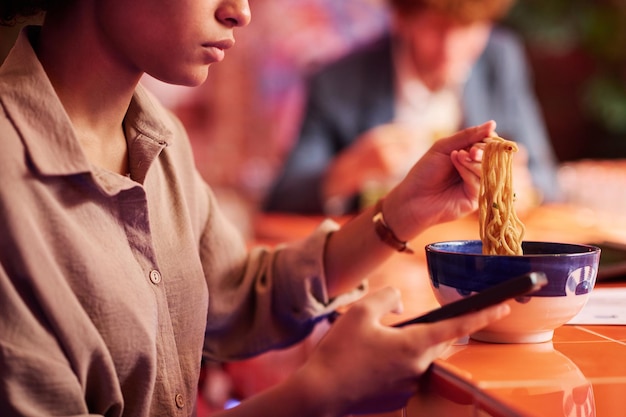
<point x="11" y="11"/>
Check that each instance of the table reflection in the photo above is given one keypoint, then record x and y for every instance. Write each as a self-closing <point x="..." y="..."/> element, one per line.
<point x="511" y="380"/>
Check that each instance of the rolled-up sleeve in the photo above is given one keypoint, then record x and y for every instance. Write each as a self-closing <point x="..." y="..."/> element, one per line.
<point x="275" y="299"/>
<point x="300" y="277"/>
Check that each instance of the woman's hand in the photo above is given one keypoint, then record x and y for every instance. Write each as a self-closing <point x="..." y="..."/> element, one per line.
<point x="365" y="366"/>
<point x="442" y="186"/>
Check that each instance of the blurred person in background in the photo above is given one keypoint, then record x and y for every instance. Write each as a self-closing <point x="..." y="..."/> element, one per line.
<point x="445" y="64"/>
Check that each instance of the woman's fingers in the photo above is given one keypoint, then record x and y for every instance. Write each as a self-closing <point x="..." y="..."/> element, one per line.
<point x="465" y="138"/>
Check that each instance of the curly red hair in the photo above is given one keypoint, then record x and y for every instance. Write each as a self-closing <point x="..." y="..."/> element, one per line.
<point x="464" y="10"/>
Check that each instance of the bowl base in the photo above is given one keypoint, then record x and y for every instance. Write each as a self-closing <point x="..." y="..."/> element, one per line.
<point x="499" y="337"/>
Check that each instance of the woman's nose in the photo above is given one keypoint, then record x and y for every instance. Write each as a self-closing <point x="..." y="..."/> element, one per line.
<point x="234" y="13"/>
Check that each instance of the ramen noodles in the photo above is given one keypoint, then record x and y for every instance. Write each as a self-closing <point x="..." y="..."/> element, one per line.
<point x="501" y="231"/>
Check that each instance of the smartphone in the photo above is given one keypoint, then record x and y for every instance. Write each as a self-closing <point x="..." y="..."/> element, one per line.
<point x="514" y="287"/>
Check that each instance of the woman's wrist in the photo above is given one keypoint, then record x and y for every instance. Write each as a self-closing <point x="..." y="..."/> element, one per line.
<point x="400" y="217"/>
<point x="303" y="393"/>
<point x="312" y="391"/>
<point x="385" y="233"/>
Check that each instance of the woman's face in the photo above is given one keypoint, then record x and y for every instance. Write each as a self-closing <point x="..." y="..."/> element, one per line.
<point x="442" y="49"/>
<point x="172" y="40"/>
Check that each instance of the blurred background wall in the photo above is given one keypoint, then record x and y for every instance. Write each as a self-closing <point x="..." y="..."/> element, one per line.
<point x="578" y="53"/>
<point x="243" y="120"/>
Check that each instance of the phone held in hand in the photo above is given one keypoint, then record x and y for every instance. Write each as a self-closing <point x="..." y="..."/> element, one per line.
<point x="512" y="288"/>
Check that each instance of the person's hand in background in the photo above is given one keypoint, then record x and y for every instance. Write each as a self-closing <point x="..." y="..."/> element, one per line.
<point x="378" y="159"/>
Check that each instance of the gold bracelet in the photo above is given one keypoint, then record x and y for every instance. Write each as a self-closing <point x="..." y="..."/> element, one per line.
<point x="385" y="233"/>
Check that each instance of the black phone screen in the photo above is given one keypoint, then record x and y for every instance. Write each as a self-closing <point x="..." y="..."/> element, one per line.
<point x="511" y="288"/>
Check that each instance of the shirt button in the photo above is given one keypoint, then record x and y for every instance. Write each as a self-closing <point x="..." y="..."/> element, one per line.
<point x="155" y="276"/>
<point x="180" y="401"/>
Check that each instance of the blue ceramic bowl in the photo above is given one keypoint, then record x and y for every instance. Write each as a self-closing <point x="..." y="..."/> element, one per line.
<point x="458" y="268"/>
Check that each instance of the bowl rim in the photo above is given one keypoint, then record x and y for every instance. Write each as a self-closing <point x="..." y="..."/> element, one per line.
<point x="589" y="249"/>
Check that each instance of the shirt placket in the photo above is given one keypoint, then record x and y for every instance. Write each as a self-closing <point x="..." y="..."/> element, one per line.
<point x="169" y="391"/>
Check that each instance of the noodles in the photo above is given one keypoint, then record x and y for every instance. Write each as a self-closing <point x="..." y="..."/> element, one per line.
<point x="501" y="231"/>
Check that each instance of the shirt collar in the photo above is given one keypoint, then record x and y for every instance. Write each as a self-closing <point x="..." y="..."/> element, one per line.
<point x="38" y="115"/>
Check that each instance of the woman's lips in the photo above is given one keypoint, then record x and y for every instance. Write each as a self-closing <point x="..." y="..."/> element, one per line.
<point x="217" y="50"/>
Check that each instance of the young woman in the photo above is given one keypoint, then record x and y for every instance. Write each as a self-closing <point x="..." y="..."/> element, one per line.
<point x="117" y="268"/>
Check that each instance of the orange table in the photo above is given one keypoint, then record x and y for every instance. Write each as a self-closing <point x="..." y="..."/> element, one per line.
<point x="582" y="372"/>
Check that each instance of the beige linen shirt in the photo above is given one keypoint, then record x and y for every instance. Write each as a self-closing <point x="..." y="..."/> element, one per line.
<point x="111" y="285"/>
